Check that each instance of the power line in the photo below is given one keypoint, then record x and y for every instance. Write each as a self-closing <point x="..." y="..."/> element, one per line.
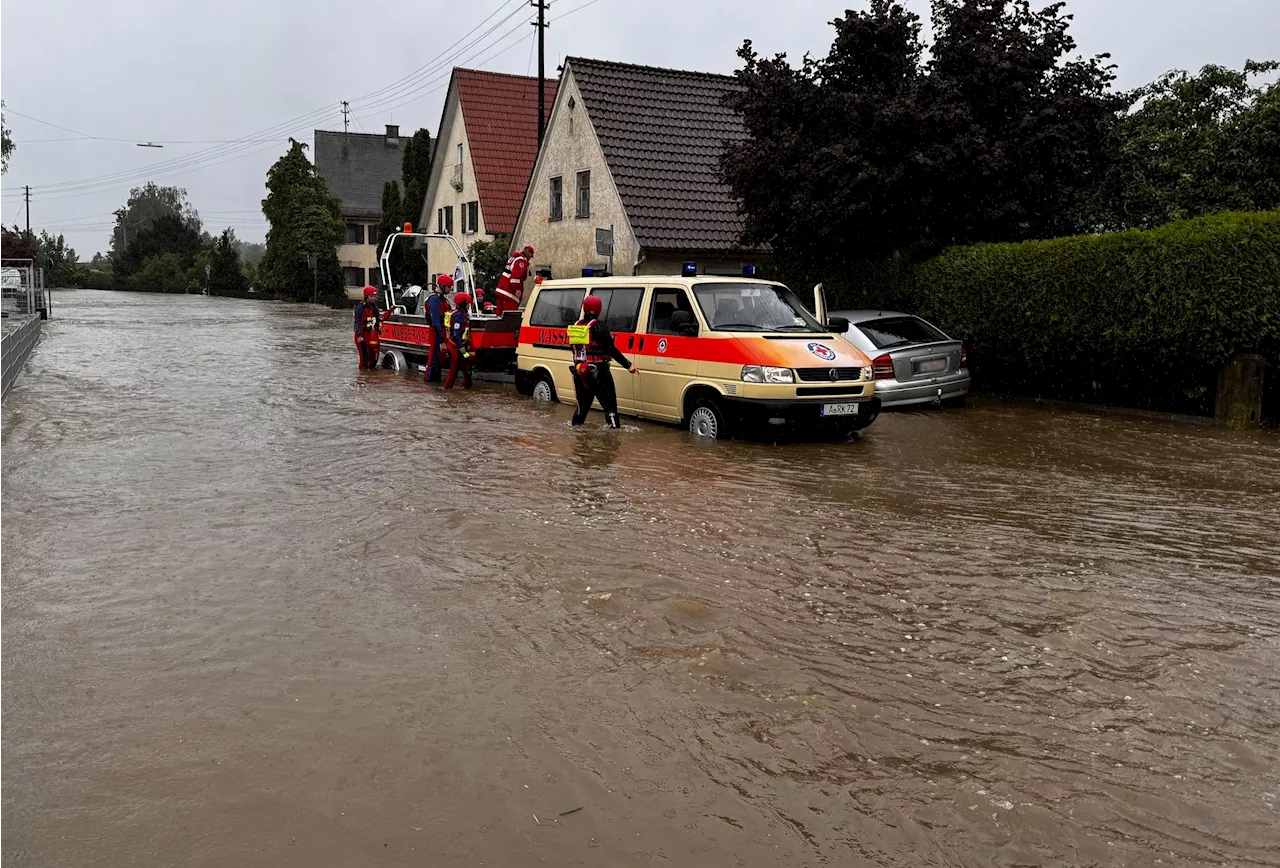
<point x="575" y="9"/>
<point x="192" y="161"/>
<point x="391" y="96"/>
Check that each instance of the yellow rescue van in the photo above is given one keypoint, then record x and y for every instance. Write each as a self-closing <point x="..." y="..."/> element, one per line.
<point x="715" y="354"/>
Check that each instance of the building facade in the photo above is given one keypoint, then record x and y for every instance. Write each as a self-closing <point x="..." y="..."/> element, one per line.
<point x="355" y="166"/>
<point x="637" y="149"/>
<point x="484" y="153"/>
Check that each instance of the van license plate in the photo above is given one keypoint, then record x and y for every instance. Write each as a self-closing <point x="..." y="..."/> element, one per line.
<point x="839" y="409"/>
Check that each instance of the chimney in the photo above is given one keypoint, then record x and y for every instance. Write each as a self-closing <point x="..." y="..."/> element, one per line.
<point x="393" y="135"/>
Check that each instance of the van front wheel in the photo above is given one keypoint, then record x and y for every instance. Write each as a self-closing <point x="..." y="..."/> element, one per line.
<point x="544" y="390"/>
<point x="707" y="421"/>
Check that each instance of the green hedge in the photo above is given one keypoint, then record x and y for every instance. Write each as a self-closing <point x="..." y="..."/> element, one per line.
<point x="1140" y="319"/>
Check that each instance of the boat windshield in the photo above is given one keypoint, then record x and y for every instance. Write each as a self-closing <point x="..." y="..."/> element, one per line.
<point x="754" y="307"/>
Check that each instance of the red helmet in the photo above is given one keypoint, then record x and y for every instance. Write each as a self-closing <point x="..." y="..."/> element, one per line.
<point x="591" y="305"/>
<point x="462" y="298"/>
<point x="369" y="290"/>
<point x="444" y="281"/>
<point x="528" y="251"/>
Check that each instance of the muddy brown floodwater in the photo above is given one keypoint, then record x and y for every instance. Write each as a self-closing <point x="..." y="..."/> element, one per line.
<point x="263" y="610"/>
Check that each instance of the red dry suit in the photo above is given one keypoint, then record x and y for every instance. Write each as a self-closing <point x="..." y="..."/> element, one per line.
<point x="511" y="285"/>
<point x="367" y="328"/>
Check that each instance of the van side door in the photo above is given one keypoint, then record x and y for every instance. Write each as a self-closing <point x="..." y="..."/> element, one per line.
<point x="667" y="359"/>
<point x="554" y="310"/>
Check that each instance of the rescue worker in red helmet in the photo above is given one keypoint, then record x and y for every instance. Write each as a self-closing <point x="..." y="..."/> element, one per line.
<point x="367" y="329"/>
<point x="458" y="330"/>
<point x="437" y="310"/>
<point x="511" y="285"/>
<point x="592" y="345"/>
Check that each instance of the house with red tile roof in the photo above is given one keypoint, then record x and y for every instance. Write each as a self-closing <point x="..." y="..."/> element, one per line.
<point x="636" y="148"/>
<point x="484" y="154"/>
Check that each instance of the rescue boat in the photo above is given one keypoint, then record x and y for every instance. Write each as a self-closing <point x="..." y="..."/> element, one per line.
<point x="407" y="336"/>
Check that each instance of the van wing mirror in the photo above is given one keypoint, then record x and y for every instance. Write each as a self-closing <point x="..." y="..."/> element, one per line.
<point x="682" y="323"/>
<point x="838" y="324"/>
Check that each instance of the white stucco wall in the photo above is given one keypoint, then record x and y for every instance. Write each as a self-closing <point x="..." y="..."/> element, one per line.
<point x="441" y="192"/>
<point x="568" y="245"/>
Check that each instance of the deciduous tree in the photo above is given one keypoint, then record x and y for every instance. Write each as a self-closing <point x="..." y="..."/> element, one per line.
<point x="1193" y="145"/>
<point x="875" y="149"/>
<point x="226" y="275"/>
<point x="305" y="219"/>
<point x="7" y="146"/>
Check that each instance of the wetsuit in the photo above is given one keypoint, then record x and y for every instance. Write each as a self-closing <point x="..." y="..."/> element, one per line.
<point x="458" y="328"/>
<point x="367" y="325"/>
<point x="437" y="306"/>
<point x="592" y="378"/>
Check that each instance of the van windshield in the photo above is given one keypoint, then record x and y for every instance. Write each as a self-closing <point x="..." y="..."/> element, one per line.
<point x="757" y="307"/>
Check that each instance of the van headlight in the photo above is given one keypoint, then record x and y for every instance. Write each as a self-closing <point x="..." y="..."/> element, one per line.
<point x="766" y="374"/>
<point x="867" y="372"/>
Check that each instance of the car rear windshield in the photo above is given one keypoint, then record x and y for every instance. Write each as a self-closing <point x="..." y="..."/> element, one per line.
<point x="899" y="331"/>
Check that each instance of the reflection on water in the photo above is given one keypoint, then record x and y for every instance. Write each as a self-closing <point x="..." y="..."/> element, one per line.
<point x="263" y="609"/>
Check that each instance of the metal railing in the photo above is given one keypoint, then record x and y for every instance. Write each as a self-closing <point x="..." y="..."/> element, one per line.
<point x="22" y="289"/>
<point x="18" y="343"/>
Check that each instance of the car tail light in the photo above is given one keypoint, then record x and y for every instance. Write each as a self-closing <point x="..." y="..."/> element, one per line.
<point x="964" y="356"/>
<point x="882" y="366"/>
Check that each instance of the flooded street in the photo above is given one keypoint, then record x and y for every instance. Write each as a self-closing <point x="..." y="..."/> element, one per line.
<point x="261" y="609"/>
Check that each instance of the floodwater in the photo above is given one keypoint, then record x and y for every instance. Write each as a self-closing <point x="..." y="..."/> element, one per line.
<point x="261" y="609"/>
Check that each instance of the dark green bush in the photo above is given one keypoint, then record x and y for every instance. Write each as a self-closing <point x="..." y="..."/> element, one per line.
<point x="1139" y="319"/>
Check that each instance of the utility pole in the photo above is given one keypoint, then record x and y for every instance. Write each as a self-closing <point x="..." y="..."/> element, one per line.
<point x="542" y="26"/>
<point x="346" y="110"/>
<point x="28" y="198"/>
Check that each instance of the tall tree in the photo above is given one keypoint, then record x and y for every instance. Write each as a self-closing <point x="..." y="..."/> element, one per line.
<point x="167" y="234"/>
<point x="17" y="244"/>
<point x="226" y="275"/>
<point x="1194" y="144"/>
<point x="7" y="146"/>
<point x="145" y="205"/>
<point x="58" y="259"/>
<point x="873" y="149"/>
<point x="305" y="219"/>
<point x="392" y="219"/>
<point x="415" y="172"/>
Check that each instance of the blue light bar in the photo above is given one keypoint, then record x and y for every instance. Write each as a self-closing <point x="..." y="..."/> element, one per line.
<point x="748" y="271"/>
<point x="588" y="272"/>
<point x="689" y="269"/>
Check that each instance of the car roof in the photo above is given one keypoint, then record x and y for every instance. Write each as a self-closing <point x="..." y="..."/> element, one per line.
<point x="856" y="316"/>
<point x="632" y="280"/>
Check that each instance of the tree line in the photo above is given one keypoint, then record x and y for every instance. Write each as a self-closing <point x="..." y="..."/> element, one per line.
<point x="883" y="150"/>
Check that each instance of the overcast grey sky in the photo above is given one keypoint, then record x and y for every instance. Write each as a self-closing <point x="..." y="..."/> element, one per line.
<point x="207" y="76"/>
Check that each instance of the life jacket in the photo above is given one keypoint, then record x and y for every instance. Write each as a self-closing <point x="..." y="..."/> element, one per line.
<point x="464" y="344"/>
<point x="369" y="319"/>
<point x="586" y="349"/>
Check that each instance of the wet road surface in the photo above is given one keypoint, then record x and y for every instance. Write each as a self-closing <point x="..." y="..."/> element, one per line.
<point x="263" y="610"/>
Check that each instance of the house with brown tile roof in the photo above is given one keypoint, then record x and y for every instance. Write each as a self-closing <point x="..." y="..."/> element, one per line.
<point x="636" y="148"/>
<point x="484" y="154"/>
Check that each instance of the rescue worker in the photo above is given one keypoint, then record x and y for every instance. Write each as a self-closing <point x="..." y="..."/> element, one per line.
<point x="593" y="347"/>
<point x="458" y="330"/>
<point x="511" y="285"/>
<point x="367" y="328"/>
<point x="437" y="308"/>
